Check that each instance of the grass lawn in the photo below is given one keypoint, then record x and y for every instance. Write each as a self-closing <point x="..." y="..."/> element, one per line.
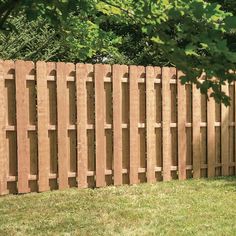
<point x="193" y="207"/>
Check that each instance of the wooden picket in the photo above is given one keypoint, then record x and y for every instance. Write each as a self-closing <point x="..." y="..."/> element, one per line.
<point x="43" y="123"/>
<point x="64" y="125"/>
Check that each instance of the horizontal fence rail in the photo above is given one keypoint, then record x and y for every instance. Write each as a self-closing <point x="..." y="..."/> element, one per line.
<point x="64" y="125"/>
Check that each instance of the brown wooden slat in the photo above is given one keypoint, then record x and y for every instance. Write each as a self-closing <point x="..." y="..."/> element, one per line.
<point x="62" y="109"/>
<point x="225" y="134"/>
<point x="82" y="72"/>
<point x="150" y="124"/>
<point x="118" y="72"/>
<point x="211" y="152"/>
<point x="196" y="107"/>
<point x="181" y="129"/>
<point x="166" y="119"/>
<point x="3" y="154"/>
<point x="22" y="114"/>
<point x="43" y="122"/>
<point x="133" y="124"/>
<point x="100" y="72"/>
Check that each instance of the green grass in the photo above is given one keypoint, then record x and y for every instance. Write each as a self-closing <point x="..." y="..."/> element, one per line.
<point x="193" y="207"/>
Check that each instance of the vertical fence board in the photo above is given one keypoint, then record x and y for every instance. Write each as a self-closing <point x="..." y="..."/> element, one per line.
<point x="100" y="72"/>
<point x="225" y="134"/>
<point x="117" y="75"/>
<point x="150" y="124"/>
<point x="62" y="109"/>
<point x="181" y="128"/>
<point x="166" y="119"/>
<point x="43" y="141"/>
<point x="133" y="124"/>
<point x="82" y="72"/>
<point x="3" y="153"/>
<point x="211" y="153"/>
<point x="196" y="108"/>
<point x="22" y="68"/>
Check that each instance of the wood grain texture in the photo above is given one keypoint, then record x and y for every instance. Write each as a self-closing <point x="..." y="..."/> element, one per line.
<point x="150" y="124"/>
<point x="118" y="72"/>
<point x="82" y="72"/>
<point x="43" y="122"/>
<point x="225" y="134"/>
<point x="196" y="108"/>
<point x="3" y="151"/>
<point x="133" y="124"/>
<point x="22" y="113"/>
<point x="100" y="72"/>
<point x="62" y="123"/>
<point x="211" y="151"/>
<point x="182" y="150"/>
<point x="167" y="74"/>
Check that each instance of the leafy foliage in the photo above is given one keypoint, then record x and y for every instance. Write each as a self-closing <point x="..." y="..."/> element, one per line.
<point x="197" y="36"/>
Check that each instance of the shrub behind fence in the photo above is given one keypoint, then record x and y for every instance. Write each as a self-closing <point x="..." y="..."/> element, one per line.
<point x="64" y="125"/>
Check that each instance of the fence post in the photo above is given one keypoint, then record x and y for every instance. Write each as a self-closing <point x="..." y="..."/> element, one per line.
<point x="118" y="72"/>
<point x="22" y="113"/>
<point x="225" y="134"/>
<point x="196" y="132"/>
<point x="62" y="109"/>
<point x="150" y="124"/>
<point x="43" y="122"/>
<point x="211" y="137"/>
<point x="181" y="128"/>
<point x="82" y="72"/>
<point x="3" y="154"/>
<point x="166" y="119"/>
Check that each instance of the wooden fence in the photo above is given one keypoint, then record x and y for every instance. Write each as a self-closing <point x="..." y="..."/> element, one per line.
<point x="65" y="125"/>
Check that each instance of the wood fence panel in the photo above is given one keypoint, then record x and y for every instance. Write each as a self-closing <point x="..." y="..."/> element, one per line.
<point x="181" y="128"/>
<point x="167" y="74"/>
<point x="22" y="114"/>
<point x="196" y="107"/>
<point x="142" y="163"/>
<point x="43" y="122"/>
<point x="150" y="123"/>
<point x="211" y="155"/>
<point x="118" y="73"/>
<point x="62" y="124"/>
<point x="108" y="125"/>
<point x="158" y="124"/>
<point x="82" y="72"/>
<point x="173" y="123"/>
<point x="133" y="125"/>
<point x="225" y="135"/>
<point x="3" y="150"/>
<point x="100" y="73"/>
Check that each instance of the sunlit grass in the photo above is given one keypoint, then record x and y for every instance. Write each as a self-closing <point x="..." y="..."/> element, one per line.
<point x="193" y="207"/>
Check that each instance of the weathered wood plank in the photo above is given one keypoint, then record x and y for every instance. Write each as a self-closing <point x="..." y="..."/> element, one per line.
<point x="133" y="124"/>
<point x="211" y="152"/>
<point x="167" y="74"/>
<point x="150" y="124"/>
<point x="22" y="113"/>
<point x="3" y="154"/>
<point x="82" y="72"/>
<point x="100" y="72"/>
<point x="118" y="72"/>
<point x="225" y="134"/>
<point x="62" y="124"/>
<point x="196" y="108"/>
<point x="181" y="128"/>
<point x="43" y="122"/>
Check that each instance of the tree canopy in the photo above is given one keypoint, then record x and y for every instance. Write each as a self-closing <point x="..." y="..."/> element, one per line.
<point x="197" y="36"/>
